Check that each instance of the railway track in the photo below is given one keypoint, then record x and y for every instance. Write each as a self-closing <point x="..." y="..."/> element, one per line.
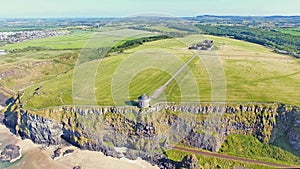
<point x="228" y="157"/>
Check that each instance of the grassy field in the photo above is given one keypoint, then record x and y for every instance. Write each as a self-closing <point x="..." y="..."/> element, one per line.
<point x="12" y="58"/>
<point x="292" y="31"/>
<point x="252" y="73"/>
<point x="250" y="147"/>
<point x="75" y="40"/>
<point x="78" y="40"/>
<point x="23" y="69"/>
<point x="212" y="162"/>
<point x="165" y="29"/>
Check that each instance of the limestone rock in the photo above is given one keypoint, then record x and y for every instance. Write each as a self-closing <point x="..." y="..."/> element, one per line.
<point x="77" y="167"/>
<point x="67" y="152"/>
<point x="56" y="154"/>
<point x="11" y="153"/>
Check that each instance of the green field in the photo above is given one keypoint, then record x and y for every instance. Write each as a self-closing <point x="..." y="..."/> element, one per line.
<point x="212" y="162"/>
<point x="76" y="69"/>
<point x="23" y="69"/>
<point x="252" y="73"/>
<point x="250" y="147"/>
<point x="73" y="41"/>
<point x="77" y="40"/>
<point x="164" y="29"/>
<point x="35" y="61"/>
<point x="292" y="31"/>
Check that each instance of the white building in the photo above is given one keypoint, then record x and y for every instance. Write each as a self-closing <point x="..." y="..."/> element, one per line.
<point x="143" y="101"/>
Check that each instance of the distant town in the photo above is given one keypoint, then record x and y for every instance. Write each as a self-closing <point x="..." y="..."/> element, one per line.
<point x="20" y="36"/>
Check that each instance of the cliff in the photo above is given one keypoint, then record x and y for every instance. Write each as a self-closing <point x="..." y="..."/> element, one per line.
<point x="286" y="133"/>
<point x="146" y="131"/>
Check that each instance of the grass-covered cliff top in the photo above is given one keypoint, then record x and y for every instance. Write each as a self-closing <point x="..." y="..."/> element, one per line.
<point x="252" y="74"/>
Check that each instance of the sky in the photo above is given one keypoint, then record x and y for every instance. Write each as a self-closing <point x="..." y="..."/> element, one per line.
<point x="123" y="8"/>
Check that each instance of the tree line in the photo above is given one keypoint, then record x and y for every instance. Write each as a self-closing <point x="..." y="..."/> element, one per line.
<point x="136" y="42"/>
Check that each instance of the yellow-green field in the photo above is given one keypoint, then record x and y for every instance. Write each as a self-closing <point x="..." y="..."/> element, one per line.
<point x="292" y="31"/>
<point x="73" y="41"/>
<point x="252" y="73"/>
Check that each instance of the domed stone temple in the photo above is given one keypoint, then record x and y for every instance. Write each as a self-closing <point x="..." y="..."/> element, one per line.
<point x="143" y="101"/>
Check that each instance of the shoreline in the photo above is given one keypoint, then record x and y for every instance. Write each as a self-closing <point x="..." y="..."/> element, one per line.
<point x="39" y="156"/>
<point x="18" y="158"/>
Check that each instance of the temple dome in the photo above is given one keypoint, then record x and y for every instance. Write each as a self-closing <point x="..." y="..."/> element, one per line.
<point x="143" y="97"/>
<point x="143" y="101"/>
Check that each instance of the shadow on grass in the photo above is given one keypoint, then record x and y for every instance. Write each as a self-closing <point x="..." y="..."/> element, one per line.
<point x="131" y="103"/>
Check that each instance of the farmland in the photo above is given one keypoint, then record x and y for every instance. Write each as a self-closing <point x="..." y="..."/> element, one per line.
<point x="73" y="41"/>
<point x="66" y="78"/>
<point x="292" y="31"/>
<point x="252" y="73"/>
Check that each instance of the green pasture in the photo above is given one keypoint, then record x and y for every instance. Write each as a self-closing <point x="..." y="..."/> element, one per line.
<point x="212" y="162"/>
<point x="250" y="147"/>
<point x="292" y="31"/>
<point x="77" y="40"/>
<point x="252" y="73"/>
<point x="72" y="41"/>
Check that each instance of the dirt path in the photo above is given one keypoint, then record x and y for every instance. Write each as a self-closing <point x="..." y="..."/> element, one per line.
<point x="7" y="91"/>
<point x="162" y="88"/>
<point x="228" y="157"/>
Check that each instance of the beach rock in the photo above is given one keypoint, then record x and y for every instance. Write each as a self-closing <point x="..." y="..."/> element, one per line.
<point x="11" y="153"/>
<point x="77" y="167"/>
<point x="56" y="154"/>
<point x="67" y="152"/>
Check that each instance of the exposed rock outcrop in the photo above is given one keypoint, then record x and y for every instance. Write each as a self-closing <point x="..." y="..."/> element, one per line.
<point x="39" y="129"/>
<point x="56" y="154"/>
<point x="11" y="153"/>
<point x="287" y="126"/>
<point x="203" y="126"/>
<point x="77" y="167"/>
<point x="67" y="152"/>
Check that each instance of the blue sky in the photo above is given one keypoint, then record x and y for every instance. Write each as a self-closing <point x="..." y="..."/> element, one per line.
<point x="115" y="8"/>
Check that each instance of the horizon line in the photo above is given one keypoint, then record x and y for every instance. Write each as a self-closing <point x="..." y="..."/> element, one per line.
<point x="115" y="17"/>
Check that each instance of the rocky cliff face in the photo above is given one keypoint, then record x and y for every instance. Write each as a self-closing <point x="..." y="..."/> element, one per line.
<point x="39" y="129"/>
<point x="287" y="127"/>
<point x="203" y="126"/>
<point x="36" y="128"/>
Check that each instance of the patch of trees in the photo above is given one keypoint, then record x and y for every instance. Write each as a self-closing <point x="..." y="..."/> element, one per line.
<point x="30" y="48"/>
<point x="137" y="42"/>
<point x="280" y="42"/>
<point x="174" y="34"/>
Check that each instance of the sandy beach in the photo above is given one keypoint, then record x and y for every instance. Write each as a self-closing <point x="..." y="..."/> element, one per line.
<point x="35" y="157"/>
